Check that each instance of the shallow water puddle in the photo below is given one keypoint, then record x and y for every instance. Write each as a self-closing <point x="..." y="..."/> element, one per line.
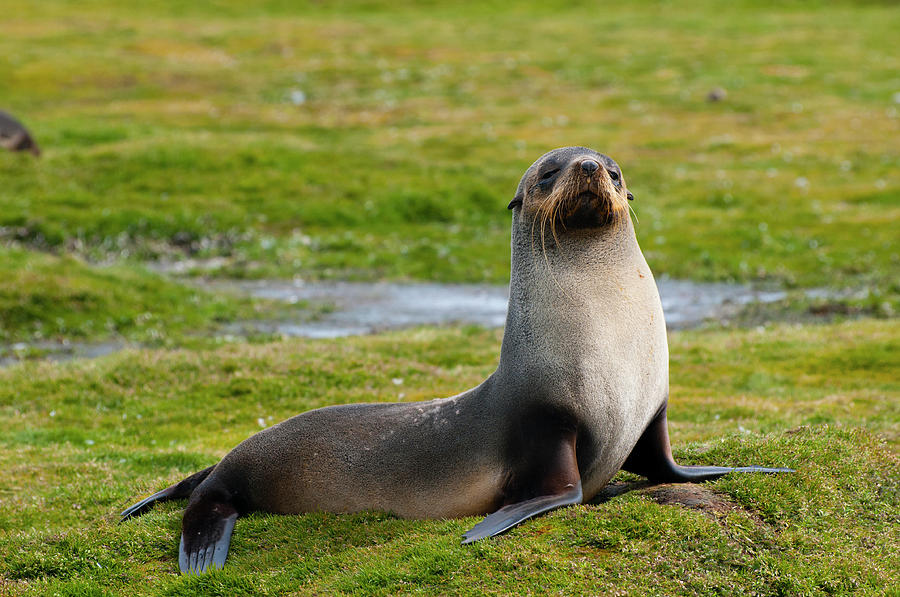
<point x="365" y="308"/>
<point x="57" y="351"/>
<point x="356" y="308"/>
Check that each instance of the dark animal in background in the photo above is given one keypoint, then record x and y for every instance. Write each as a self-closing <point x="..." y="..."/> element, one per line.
<point x="14" y="136"/>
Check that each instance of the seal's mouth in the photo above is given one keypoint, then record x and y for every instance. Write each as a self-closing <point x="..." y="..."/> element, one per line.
<point x="581" y="200"/>
<point x="589" y="195"/>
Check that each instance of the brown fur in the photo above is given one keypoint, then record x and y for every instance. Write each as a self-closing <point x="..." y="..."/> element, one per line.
<point x="583" y="370"/>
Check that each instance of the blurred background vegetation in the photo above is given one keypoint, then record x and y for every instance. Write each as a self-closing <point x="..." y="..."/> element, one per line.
<point x="368" y="140"/>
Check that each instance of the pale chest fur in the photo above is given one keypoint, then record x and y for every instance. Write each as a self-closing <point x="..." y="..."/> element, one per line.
<point x="601" y="348"/>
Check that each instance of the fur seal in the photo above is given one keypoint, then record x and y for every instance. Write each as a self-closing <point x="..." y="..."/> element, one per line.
<point x="14" y="136"/>
<point x="580" y="392"/>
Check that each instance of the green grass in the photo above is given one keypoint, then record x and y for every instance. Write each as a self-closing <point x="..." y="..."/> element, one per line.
<point x="169" y="130"/>
<point x="80" y="441"/>
<point x="167" y="127"/>
<point x="50" y="298"/>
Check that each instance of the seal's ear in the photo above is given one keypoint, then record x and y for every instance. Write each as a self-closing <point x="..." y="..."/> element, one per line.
<point x="516" y="201"/>
<point x="630" y="196"/>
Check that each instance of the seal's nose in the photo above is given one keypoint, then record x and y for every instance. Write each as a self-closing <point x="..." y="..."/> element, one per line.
<point x="589" y="166"/>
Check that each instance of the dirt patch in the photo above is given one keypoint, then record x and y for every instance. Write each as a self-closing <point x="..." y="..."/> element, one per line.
<point x="687" y="495"/>
<point x="691" y="496"/>
<point x="696" y="497"/>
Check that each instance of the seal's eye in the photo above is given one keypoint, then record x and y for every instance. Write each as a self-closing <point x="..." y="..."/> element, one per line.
<point x="549" y="174"/>
<point x="614" y="175"/>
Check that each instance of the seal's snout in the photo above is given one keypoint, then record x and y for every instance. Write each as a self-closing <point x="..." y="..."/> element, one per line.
<point x="589" y="166"/>
<point x="573" y="187"/>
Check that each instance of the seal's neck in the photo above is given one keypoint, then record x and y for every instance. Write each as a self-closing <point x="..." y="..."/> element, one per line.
<point x="564" y="294"/>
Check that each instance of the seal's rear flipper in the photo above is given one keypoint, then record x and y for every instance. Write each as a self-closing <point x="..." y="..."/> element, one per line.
<point x="145" y="504"/>
<point x="652" y="458"/>
<point x="547" y="478"/>
<point x="179" y="491"/>
<point x="205" y="536"/>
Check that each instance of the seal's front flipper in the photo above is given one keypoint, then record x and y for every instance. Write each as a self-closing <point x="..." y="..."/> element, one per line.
<point x="205" y="536"/>
<point x="509" y="516"/>
<point x="546" y="477"/>
<point x="652" y="458"/>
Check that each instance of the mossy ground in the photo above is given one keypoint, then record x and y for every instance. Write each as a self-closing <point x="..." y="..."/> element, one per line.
<point x="366" y="140"/>
<point x="82" y="440"/>
<point x="50" y="297"/>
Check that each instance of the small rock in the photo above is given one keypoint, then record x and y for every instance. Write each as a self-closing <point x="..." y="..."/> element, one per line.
<point x="298" y="97"/>
<point x="716" y="94"/>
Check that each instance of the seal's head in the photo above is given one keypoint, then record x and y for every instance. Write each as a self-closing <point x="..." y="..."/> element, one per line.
<point x="572" y="188"/>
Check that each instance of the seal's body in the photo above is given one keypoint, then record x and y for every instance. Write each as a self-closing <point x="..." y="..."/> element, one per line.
<point x="580" y="392"/>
